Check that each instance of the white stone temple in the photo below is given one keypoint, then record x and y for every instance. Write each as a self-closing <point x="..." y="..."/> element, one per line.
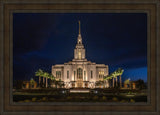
<point x="80" y="73"/>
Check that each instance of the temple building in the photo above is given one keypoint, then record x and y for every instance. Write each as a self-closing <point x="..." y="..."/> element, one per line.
<point x="80" y="73"/>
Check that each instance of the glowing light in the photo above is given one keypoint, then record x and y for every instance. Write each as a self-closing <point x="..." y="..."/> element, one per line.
<point x="79" y="55"/>
<point x="79" y="91"/>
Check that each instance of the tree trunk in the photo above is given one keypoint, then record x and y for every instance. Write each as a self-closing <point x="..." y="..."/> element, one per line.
<point x="43" y="80"/>
<point x="120" y="81"/>
<point x="116" y="82"/>
<point x="46" y="82"/>
<point x="113" y="82"/>
<point x="39" y="80"/>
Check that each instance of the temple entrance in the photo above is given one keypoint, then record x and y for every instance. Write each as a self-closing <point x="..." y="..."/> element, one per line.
<point x="73" y="85"/>
<point x="79" y="78"/>
<point x="79" y="85"/>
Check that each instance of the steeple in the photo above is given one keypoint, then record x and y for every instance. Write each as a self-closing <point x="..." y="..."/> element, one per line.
<point x="79" y="40"/>
<point x="79" y="51"/>
<point x="79" y="27"/>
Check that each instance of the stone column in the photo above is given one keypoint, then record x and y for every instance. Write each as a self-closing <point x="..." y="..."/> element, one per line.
<point x="46" y="82"/>
<point x="113" y="83"/>
<point x="120" y="81"/>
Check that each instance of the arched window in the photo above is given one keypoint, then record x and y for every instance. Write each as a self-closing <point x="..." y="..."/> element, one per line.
<point x="79" y="73"/>
<point x="58" y="74"/>
<point x="67" y="74"/>
<point x="91" y="74"/>
<point x="101" y="74"/>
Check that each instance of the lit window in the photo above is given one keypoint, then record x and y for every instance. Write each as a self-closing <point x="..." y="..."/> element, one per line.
<point x="79" y="73"/>
<point x="67" y="74"/>
<point x="79" y="55"/>
<point x="101" y="74"/>
<point x="91" y="74"/>
<point x="58" y="74"/>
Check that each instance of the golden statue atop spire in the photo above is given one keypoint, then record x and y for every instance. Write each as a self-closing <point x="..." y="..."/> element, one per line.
<point x="79" y="27"/>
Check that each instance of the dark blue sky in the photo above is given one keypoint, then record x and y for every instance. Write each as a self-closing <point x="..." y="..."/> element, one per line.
<point x="41" y="40"/>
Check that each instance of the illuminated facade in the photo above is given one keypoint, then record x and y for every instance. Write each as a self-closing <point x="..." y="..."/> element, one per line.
<point x="79" y="72"/>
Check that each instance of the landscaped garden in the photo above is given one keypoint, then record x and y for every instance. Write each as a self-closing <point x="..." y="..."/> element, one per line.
<point x="95" y="95"/>
<point x="53" y="90"/>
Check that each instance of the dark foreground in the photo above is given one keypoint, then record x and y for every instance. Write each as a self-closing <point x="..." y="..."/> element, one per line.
<point x="96" y="95"/>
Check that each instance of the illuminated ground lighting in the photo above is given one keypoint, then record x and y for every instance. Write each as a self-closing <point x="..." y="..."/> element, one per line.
<point x="79" y="91"/>
<point x="130" y="95"/>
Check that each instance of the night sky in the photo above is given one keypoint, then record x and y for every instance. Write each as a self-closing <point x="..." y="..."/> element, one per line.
<point x="41" y="40"/>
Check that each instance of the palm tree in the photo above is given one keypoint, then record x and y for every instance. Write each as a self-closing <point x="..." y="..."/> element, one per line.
<point x="52" y="77"/>
<point x="112" y="76"/>
<point x="115" y="74"/>
<point x="46" y="75"/>
<point x="40" y="74"/>
<point x="108" y="77"/>
<point x="120" y="72"/>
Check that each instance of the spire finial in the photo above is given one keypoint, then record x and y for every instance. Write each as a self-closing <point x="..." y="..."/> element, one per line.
<point x="79" y="27"/>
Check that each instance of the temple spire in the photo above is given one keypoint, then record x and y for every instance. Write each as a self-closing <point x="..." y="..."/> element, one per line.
<point x="79" y="27"/>
<point x="79" y="40"/>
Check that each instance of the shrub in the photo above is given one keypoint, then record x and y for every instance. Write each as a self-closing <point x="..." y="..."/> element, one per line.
<point x="88" y="98"/>
<point x="69" y="98"/>
<point x="132" y="100"/>
<point x="44" y="99"/>
<point x="129" y="92"/>
<point x="95" y="97"/>
<point x="20" y="101"/>
<point x="76" y="98"/>
<point x="104" y="98"/>
<point x="27" y="100"/>
<point x="123" y="101"/>
<point x="52" y="99"/>
<point x="39" y="100"/>
<point x="34" y="99"/>
<point x="115" y="99"/>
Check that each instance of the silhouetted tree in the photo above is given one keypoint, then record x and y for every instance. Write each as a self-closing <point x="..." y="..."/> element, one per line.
<point x="18" y="84"/>
<point x="140" y="84"/>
